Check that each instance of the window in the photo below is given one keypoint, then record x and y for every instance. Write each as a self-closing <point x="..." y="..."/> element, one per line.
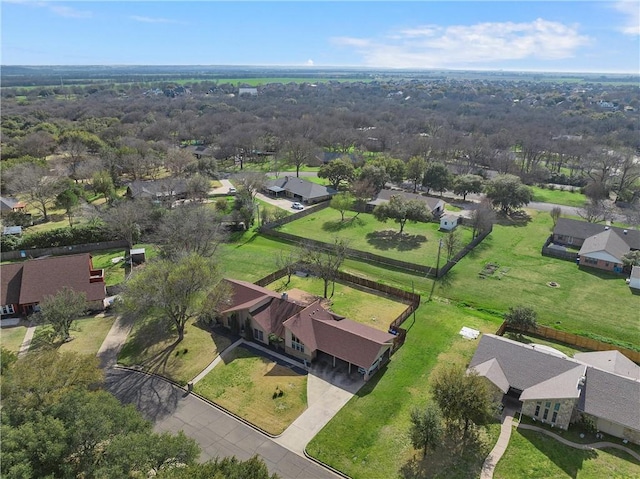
<point x="547" y="405"/>
<point x="556" y="406"/>
<point x="296" y="344"/>
<point x="587" y="260"/>
<point x="258" y="334"/>
<point x="8" y="309"/>
<point x="555" y="416"/>
<point x="538" y="404"/>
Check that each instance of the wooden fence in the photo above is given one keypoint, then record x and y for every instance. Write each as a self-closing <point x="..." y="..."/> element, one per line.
<point x="60" y="250"/>
<point x="463" y="252"/>
<point x="572" y="340"/>
<point x="557" y="253"/>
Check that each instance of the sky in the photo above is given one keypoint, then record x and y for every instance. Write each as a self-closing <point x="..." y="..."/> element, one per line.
<point x="546" y="36"/>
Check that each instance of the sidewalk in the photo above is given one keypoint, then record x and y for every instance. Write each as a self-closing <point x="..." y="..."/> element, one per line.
<point x="501" y="445"/>
<point x="112" y="344"/>
<point x="26" y="342"/>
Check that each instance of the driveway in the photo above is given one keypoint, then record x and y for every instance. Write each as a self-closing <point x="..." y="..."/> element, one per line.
<point x="217" y="433"/>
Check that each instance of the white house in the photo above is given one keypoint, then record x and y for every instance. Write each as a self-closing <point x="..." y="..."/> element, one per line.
<point x="448" y="222"/>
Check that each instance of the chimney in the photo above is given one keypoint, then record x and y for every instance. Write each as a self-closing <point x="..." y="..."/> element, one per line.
<point x="285" y="296"/>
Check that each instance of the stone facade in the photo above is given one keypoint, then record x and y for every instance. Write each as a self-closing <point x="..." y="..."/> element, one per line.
<point x="557" y="412"/>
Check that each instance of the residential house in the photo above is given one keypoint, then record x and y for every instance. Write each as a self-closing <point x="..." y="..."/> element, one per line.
<point x="25" y="284"/>
<point x="299" y="189"/>
<point x="554" y="389"/>
<point x="168" y="189"/>
<point x="435" y="205"/>
<point x="11" y="205"/>
<point x="601" y="246"/>
<point x="634" y="278"/>
<point x="306" y="331"/>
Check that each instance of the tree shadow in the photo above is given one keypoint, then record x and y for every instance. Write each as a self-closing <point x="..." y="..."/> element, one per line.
<point x="338" y="225"/>
<point x="455" y="457"/>
<point x="517" y="219"/>
<point x="390" y="239"/>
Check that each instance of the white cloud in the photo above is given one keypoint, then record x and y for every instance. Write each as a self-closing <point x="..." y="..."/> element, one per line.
<point x="631" y="10"/>
<point x="69" y="12"/>
<point x="309" y="62"/>
<point x="432" y="46"/>
<point x="144" y="19"/>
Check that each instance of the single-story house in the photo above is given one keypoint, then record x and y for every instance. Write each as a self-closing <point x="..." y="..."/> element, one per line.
<point x="435" y="205"/>
<point x="557" y="390"/>
<point x="570" y="232"/>
<point x="449" y="222"/>
<point x="25" y="284"/>
<point x="604" y="251"/>
<point x="168" y="189"/>
<point x="305" y="331"/>
<point x="634" y="278"/>
<point x="11" y="205"/>
<point x="299" y="189"/>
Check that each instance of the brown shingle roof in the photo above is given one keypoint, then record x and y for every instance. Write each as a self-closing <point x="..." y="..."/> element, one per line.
<point x="11" y="278"/>
<point x="43" y="277"/>
<point x="245" y="295"/>
<point x="345" y="339"/>
<point x="272" y="315"/>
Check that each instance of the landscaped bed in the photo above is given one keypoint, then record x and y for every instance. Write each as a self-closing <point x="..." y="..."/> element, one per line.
<point x="265" y="393"/>
<point x="154" y="348"/>
<point x="418" y="243"/>
<point x="365" y="307"/>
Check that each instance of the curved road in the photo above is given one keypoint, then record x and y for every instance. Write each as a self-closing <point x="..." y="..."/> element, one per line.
<point x="217" y="433"/>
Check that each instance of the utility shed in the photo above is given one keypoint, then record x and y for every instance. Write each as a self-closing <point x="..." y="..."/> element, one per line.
<point x="137" y="255"/>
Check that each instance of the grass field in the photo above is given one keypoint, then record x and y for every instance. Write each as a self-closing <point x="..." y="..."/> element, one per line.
<point x="248" y="385"/>
<point x="368" y="438"/>
<point x="154" y="347"/>
<point x="559" y="197"/>
<point x="534" y="455"/>
<point x="11" y="338"/>
<point x="88" y="334"/>
<point x="361" y="306"/>
<point x="418" y="243"/>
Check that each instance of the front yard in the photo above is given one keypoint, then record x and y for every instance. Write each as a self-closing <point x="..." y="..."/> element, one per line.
<point x="88" y="333"/>
<point x="11" y="338"/>
<point x="153" y="347"/>
<point x="265" y="393"/>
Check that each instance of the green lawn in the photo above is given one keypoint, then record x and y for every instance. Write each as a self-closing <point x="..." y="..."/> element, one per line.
<point x="248" y="385"/>
<point x="11" y="338"/>
<point x="361" y="306"/>
<point x="88" y="333"/>
<point x="113" y="272"/>
<point x="419" y="242"/>
<point x="154" y="348"/>
<point x="368" y="438"/>
<point x="564" y="348"/>
<point x="585" y="301"/>
<point x="534" y="455"/>
<point x="558" y="197"/>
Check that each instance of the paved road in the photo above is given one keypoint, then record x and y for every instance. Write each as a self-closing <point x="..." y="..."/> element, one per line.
<point x="217" y="433"/>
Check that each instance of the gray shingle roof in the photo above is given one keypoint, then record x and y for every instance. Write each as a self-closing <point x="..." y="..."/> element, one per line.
<point x="385" y="195"/>
<point x="562" y="386"/>
<point x="612" y="361"/>
<point x="611" y="397"/>
<point x="301" y="187"/>
<point x="583" y="230"/>
<point x="608" y="241"/>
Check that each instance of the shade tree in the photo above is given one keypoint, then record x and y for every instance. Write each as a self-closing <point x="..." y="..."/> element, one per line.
<point x="426" y="429"/>
<point x="507" y="193"/>
<point x="337" y="172"/>
<point x="401" y="211"/>
<point x="465" y="184"/>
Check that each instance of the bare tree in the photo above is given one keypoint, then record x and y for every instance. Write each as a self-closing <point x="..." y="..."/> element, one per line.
<point x="127" y="220"/>
<point x="33" y="181"/>
<point x="595" y="211"/>
<point x="556" y="213"/>
<point x="452" y="243"/>
<point x="298" y="152"/>
<point x="482" y="218"/>
<point x="325" y="261"/>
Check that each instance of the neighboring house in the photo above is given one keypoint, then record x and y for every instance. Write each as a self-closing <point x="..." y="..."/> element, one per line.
<point x="557" y="390"/>
<point x="12" y="230"/>
<point x="306" y="331"/>
<point x="600" y="246"/>
<point x="200" y="151"/>
<point x="435" y="205"/>
<point x="299" y="189"/>
<point x="634" y="278"/>
<point x="24" y="285"/>
<point x="448" y="222"/>
<point x="247" y="91"/>
<point x="11" y="205"/>
<point x="170" y="189"/>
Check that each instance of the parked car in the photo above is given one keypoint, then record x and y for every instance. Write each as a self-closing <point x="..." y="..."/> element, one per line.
<point x="297" y="206"/>
<point x="232" y="189"/>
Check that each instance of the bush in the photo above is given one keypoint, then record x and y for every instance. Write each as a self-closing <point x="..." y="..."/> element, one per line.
<point x="60" y="237"/>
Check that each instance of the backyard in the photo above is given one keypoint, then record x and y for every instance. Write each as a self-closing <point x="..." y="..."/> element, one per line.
<point x="418" y="243"/>
<point x="266" y="393"/>
<point x="357" y="304"/>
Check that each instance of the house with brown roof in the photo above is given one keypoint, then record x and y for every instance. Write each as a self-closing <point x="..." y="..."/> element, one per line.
<point x="557" y="390"/>
<point x="11" y="205"/>
<point x="24" y="285"/>
<point x="306" y="331"/>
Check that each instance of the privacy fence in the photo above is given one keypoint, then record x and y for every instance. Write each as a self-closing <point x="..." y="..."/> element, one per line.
<point x="572" y="340"/>
<point x="60" y="250"/>
<point x="548" y="250"/>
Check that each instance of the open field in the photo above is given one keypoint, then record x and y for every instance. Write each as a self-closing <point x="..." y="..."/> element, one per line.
<point x="361" y="306"/>
<point x="88" y="334"/>
<point x="153" y="346"/>
<point x="368" y="438"/>
<point x="559" y="197"/>
<point x="534" y="455"/>
<point x="249" y="385"/>
<point x="418" y="243"/>
<point x="11" y="338"/>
